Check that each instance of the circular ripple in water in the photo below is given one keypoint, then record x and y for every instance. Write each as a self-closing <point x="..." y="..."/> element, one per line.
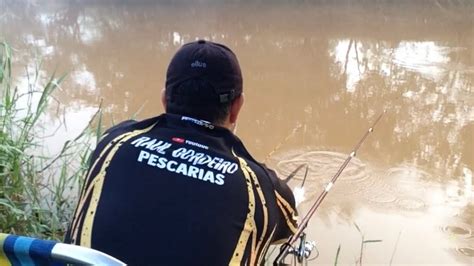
<point x="409" y="178"/>
<point x="459" y="230"/>
<point x="323" y="165"/>
<point x="466" y="251"/>
<point x="383" y="197"/>
<point x="411" y="204"/>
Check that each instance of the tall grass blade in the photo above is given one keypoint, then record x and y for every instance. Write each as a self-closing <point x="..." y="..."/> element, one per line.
<point x="337" y="255"/>
<point x="395" y="248"/>
<point x="35" y="190"/>
<point x="358" y="228"/>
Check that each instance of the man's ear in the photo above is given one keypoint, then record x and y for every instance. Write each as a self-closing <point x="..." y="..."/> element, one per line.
<point x="235" y="108"/>
<point x="163" y="98"/>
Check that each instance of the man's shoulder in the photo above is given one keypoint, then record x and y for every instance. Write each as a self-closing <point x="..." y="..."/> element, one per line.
<point x="130" y="125"/>
<point x="123" y="128"/>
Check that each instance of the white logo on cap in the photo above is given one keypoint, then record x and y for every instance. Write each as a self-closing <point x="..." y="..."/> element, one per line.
<point x="198" y="64"/>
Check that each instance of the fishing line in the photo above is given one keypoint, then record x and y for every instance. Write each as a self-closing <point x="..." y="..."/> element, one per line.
<point x="280" y="144"/>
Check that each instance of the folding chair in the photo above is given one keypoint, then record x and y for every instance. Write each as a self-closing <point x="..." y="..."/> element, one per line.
<point x="21" y="250"/>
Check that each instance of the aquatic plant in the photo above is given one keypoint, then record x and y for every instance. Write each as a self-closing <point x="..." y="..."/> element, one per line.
<point x="37" y="192"/>
<point x="363" y="242"/>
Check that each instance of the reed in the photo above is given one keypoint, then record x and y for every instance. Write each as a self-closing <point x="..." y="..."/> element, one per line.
<point x="363" y="242"/>
<point x="337" y="255"/>
<point x="37" y="192"/>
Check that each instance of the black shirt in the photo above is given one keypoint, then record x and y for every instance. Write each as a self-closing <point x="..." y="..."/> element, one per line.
<point x="173" y="190"/>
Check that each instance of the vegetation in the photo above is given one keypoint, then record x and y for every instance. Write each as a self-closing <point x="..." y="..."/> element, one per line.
<point x="37" y="193"/>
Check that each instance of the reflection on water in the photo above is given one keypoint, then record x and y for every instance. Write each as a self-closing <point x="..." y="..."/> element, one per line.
<point x="315" y="75"/>
<point x="356" y="59"/>
<point x="427" y="58"/>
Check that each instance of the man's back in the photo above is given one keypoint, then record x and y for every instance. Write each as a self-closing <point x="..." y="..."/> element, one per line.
<point x="173" y="190"/>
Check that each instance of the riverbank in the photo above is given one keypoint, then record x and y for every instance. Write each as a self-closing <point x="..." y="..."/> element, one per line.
<point x="37" y="192"/>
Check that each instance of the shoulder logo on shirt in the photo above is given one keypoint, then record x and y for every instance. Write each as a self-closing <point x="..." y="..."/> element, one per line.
<point x="192" y="143"/>
<point x="202" y="123"/>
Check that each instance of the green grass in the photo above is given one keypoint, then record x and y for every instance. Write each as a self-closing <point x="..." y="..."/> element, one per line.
<point x="37" y="193"/>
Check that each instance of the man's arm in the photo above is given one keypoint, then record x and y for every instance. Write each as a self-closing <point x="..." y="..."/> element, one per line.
<point x="105" y="139"/>
<point x="287" y="222"/>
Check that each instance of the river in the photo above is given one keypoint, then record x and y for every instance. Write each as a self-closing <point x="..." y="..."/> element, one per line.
<point x="316" y="75"/>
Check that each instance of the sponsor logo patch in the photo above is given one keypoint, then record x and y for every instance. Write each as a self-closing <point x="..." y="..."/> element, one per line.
<point x="189" y="142"/>
<point x="178" y="140"/>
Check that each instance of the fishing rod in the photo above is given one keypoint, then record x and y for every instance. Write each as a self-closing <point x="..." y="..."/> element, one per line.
<point x="302" y="252"/>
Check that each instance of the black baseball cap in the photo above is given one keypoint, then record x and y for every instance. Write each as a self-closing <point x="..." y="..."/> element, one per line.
<point x="209" y="63"/>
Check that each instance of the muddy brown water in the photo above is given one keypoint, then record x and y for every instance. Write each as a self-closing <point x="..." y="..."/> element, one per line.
<point x="315" y="77"/>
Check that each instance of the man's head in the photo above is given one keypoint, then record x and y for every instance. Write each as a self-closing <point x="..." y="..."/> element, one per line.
<point x="204" y="81"/>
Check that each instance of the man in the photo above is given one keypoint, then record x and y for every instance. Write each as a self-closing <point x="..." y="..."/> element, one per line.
<point x="177" y="189"/>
